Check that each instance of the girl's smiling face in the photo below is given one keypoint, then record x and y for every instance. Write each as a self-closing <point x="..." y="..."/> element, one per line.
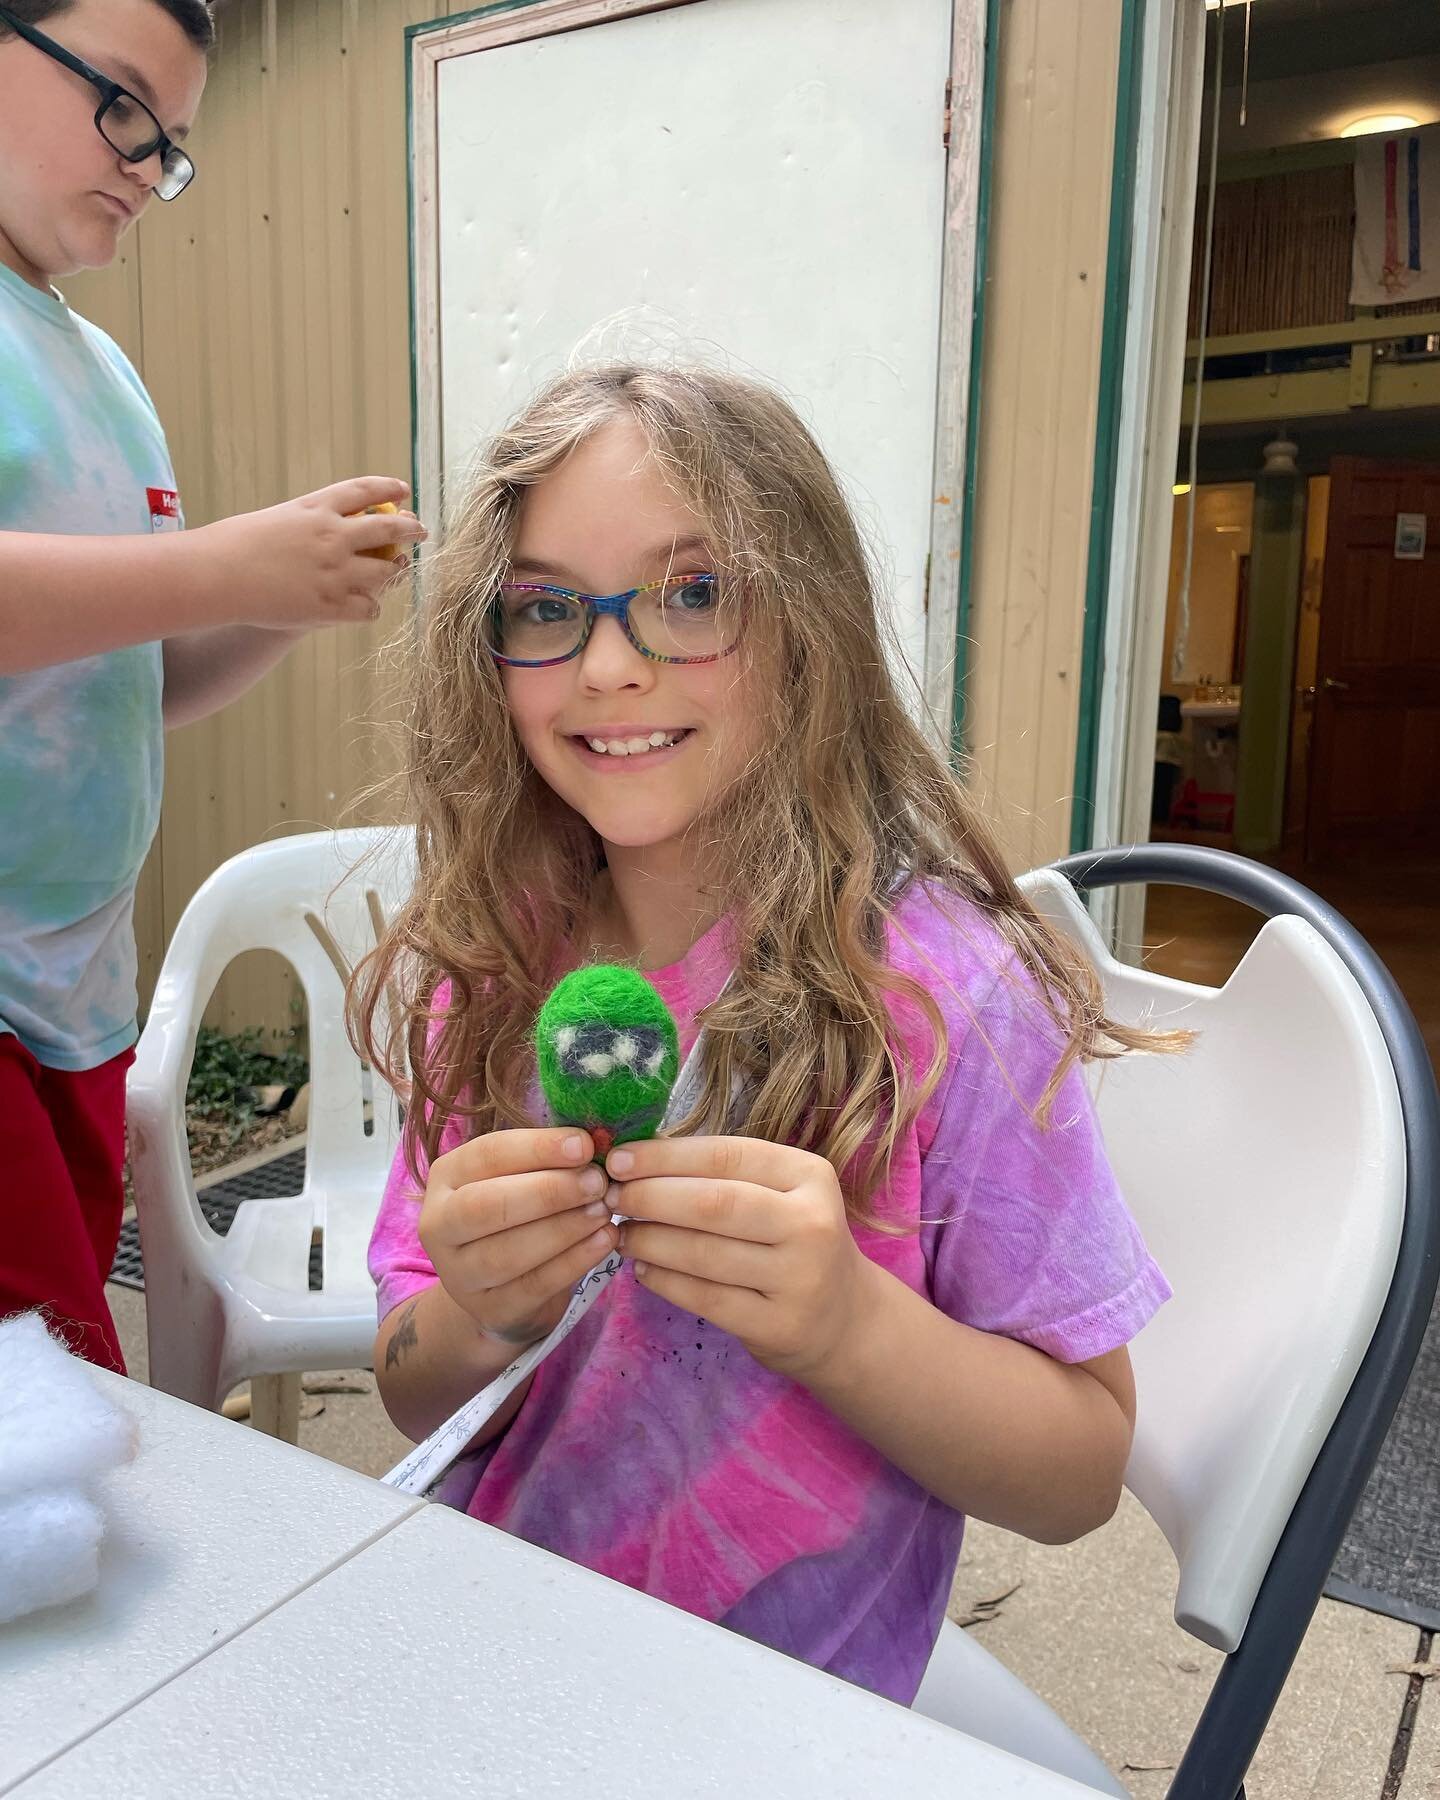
<point x="604" y="522"/>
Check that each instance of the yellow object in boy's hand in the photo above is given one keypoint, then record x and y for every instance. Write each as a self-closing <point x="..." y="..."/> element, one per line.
<point x="386" y="552"/>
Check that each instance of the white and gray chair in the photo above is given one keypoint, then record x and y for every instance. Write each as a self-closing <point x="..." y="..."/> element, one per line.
<point x="1286" y="1174"/>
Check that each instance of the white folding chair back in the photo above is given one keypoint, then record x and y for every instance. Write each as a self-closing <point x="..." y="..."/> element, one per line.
<point x="221" y="1309"/>
<point x="1266" y="1169"/>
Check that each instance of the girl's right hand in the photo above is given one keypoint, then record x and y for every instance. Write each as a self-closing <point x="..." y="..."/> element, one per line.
<point x="511" y="1221"/>
<point x="302" y="563"/>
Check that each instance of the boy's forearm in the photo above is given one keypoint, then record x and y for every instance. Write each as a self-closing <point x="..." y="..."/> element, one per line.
<point x="63" y="598"/>
<point x="993" y="1427"/>
<point x="209" y="669"/>
<point x="430" y="1358"/>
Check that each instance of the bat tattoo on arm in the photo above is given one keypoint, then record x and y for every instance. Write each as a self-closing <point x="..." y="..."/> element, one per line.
<point x="404" y="1337"/>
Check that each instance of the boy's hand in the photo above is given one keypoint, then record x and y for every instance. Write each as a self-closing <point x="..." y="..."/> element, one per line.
<point x="511" y="1221"/>
<point x="750" y="1235"/>
<point x="302" y="563"/>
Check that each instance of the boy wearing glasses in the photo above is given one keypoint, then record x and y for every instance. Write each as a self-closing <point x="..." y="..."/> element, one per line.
<point x="113" y="622"/>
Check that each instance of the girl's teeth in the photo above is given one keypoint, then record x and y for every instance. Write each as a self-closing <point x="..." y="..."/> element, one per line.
<point x="635" y="746"/>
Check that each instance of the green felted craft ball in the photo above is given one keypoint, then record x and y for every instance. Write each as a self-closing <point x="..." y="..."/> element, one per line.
<point x="608" y="1054"/>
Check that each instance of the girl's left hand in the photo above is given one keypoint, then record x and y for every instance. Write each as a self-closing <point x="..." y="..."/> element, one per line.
<point x="750" y="1235"/>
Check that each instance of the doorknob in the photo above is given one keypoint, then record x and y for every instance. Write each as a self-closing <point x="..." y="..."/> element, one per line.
<point x="1331" y="685"/>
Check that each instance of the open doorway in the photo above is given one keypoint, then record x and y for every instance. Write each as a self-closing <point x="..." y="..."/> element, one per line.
<point x="1297" y="712"/>
<point x="1202" y="683"/>
<point x="1202" y="680"/>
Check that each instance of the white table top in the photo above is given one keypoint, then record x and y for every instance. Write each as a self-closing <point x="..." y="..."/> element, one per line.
<point x="210" y="1526"/>
<point x="438" y="1656"/>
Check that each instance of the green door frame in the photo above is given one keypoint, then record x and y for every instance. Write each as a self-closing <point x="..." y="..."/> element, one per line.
<point x="965" y="599"/>
<point x="1107" y="427"/>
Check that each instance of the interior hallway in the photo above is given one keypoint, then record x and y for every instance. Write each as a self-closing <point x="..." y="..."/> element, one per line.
<point x="1396" y="906"/>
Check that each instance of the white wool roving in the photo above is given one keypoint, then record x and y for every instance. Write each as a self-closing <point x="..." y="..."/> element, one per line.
<point x="56" y="1427"/>
<point x="49" y="1550"/>
<point x="58" y="1433"/>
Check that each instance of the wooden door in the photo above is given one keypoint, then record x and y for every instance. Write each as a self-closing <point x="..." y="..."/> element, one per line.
<point x="1375" y="758"/>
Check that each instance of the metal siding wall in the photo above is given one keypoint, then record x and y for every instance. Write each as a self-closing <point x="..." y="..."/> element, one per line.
<point x="268" y="312"/>
<point x="1041" y="357"/>
<point x="271" y="325"/>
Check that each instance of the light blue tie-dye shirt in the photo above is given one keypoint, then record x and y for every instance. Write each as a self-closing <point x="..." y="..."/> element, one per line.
<point x="81" y="743"/>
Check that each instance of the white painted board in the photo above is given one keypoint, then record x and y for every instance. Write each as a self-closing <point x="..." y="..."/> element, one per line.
<point x="758" y="180"/>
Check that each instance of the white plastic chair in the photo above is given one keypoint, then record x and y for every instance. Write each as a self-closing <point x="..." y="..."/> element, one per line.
<point x="221" y="1309"/>
<point x="1268" y="1169"/>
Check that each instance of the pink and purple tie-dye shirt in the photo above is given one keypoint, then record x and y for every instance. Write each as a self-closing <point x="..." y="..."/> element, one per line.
<point x="653" y="1448"/>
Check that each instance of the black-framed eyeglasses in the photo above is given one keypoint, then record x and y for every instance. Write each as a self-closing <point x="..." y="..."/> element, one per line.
<point x="126" y="123"/>
<point x="682" y="619"/>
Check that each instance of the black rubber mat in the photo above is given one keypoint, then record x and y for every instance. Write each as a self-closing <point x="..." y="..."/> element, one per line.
<point x="284" y="1175"/>
<point x="1390" y="1560"/>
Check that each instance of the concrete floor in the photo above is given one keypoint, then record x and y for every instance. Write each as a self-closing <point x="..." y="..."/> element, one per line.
<point x="1087" y="1626"/>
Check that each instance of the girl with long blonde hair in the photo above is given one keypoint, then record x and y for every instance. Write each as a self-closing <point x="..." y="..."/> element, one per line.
<point x="880" y="1277"/>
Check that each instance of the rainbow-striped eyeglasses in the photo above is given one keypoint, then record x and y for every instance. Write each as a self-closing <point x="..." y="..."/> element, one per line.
<point x="683" y="619"/>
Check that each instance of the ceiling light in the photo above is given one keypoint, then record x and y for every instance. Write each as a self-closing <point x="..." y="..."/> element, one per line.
<point x="1180" y="487"/>
<point x="1373" y="122"/>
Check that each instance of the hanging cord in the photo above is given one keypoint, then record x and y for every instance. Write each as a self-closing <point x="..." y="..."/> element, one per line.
<point x="1245" y="67"/>
<point x="1182" y="626"/>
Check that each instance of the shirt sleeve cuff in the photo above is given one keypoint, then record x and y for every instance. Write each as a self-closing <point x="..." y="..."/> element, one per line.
<point x="1105" y="1326"/>
<point x="398" y="1286"/>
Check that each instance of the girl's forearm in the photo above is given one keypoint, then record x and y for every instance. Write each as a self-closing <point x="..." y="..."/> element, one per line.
<point x="998" y="1430"/>
<point x="430" y="1358"/>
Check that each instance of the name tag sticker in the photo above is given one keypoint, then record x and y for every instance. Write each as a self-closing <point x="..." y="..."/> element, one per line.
<point x="164" y="509"/>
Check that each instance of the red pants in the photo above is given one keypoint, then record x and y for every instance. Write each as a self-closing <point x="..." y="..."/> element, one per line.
<point x="62" y="1145"/>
